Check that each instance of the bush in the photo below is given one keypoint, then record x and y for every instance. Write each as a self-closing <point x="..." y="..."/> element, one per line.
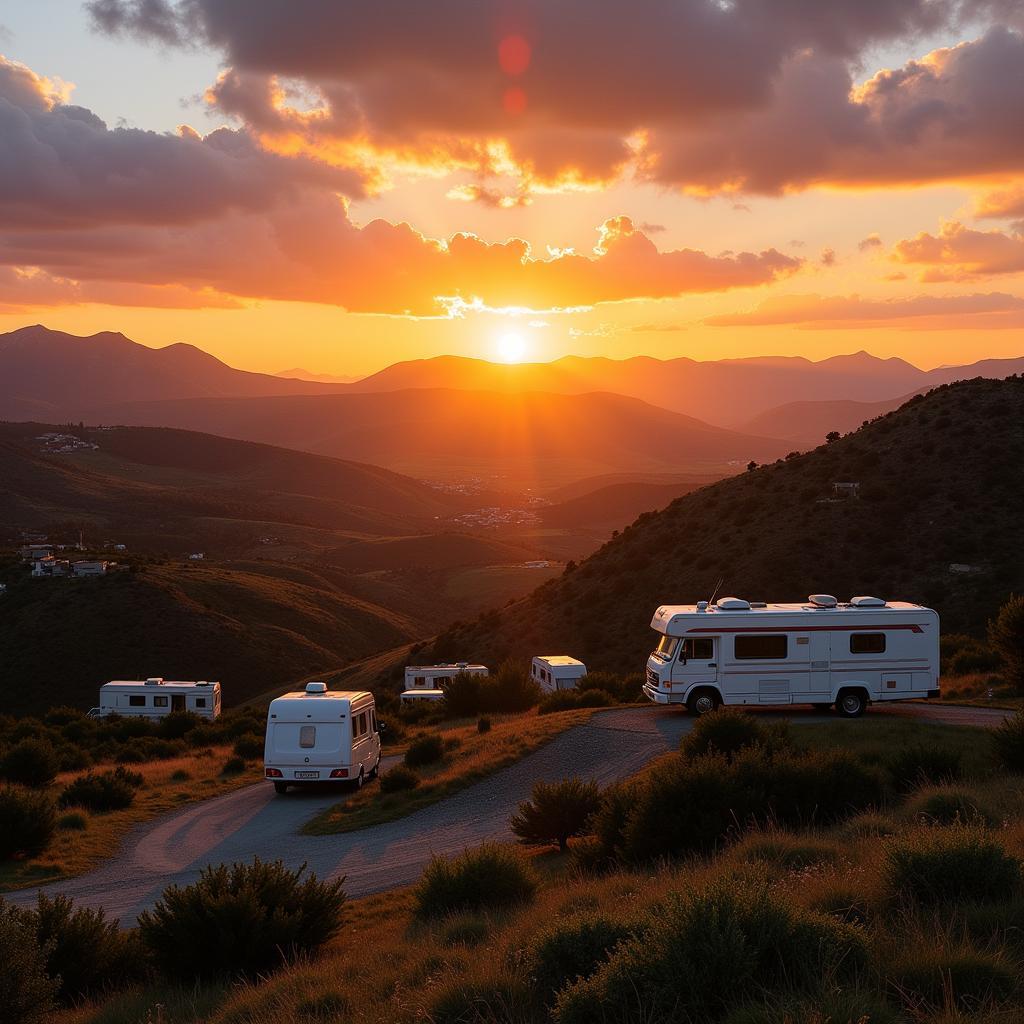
<point x="488" y="876"/>
<point x="462" y="695"/>
<point x="426" y="750"/>
<point x="555" y="812"/>
<point x="572" y="949"/>
<point x="1008" y="743"/>
<point x="491" y="997"/>
<point x="483" y="725"/>
<point x="397" y="779"/>
<point x="728" y="731"/>
<point x="31" y="762"/>
<point x="102" y="791"/>
<point x="570" y="700"/>
<point x="262" y="914"/>
<point x="234" y="766"/>
<point x="711" y="949"/>
<point x="250" y="747"/>
<point x="28" y="821"/>
<point x="786" y="851"/>
<point x="27" y="993"/>
<point x="178" y="724"/>
<point x="84" y="950"/>
<point x="510" y="689"/>
<point x="947" y="807"/>
<point x="962" y="979"/>
<point x="922" y="763"/>
<point x="73" y="822"/>
<point x="1006" y="635"/>
<point x="959" y="863"/>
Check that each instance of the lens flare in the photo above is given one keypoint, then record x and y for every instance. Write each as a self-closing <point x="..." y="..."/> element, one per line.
<point x="511" y="348"/>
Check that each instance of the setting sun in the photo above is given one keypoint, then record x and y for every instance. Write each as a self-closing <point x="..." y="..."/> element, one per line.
<point x="511" y="348"/>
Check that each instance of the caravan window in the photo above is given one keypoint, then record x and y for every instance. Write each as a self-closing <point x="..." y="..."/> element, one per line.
<point x="667" y="647"/>
<point x="136" y="702"/>
<point x="200" y="702"/>
<point x="699" y="648"/>
<point x="159" y="702"/>
<point x="307" y="736"/>
<point x="867" y="643"/>
<point x="359" y="726"/>
<point x="754" y="647"/>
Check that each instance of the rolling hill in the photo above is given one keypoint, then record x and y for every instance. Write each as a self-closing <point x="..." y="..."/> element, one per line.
<point x="809" y="422"/>
<point x="940" y="483"/>
<point x="614" y="505"/>
<point x="49" y="375"/>
<point x="509" y="441"/>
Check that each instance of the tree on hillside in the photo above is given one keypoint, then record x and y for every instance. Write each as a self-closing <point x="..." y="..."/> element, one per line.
<point x="1006" y="635"/>
<point x="832" y="436"/>
<point x="557" y="812"/>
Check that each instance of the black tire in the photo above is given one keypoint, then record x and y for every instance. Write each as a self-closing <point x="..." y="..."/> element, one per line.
<point x="851" y="703"/>
<point x="280" y="787"/>
<point x="703" y="701"/>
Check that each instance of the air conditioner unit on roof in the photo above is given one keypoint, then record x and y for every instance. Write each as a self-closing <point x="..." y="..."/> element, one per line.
<point x="823" y="600"/>
<point x="867" y="602"/>
<point x="732" y="604"/>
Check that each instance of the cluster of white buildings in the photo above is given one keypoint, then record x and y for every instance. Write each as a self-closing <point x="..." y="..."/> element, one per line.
<point x="48" y="566"/>
<point x="54" y="443"/>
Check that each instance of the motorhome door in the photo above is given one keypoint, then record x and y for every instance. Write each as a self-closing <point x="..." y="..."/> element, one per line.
<point x="177" y="702"/>
<point x="819" y="678"/>
<point x="697" y="661"/>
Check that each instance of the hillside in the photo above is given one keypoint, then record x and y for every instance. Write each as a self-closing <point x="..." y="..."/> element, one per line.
<point x="613" y="506"/>
<point x="252" y="628"/>
<point x="48" y="375"/>
<point x="511" y="441"/>
<point x="940" y="484"/>
<point x="809" y="422"/>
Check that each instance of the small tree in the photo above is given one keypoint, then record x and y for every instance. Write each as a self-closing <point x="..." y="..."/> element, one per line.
<point x="26" y="992"/>
<point x="31" y="762"/>
<point x="832" y="436"/>
<point x="556" y="812"/>
<point x="1006" y="635"/>
<point x="751" y="466"/>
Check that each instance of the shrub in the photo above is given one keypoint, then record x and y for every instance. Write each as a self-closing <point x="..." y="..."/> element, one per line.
<point x="26" y="991"/>
<point x="84" y="950"/>
<point x="399" y="778"/>
<point x="963" y="862"/>
<point x="261" y="913"/>
<point x="32" y="762"/>
<point x="462" y="695"/>
<point x="488" y="876"/>
<point x="922" y="763"/>
<point x="483" y="725"/>
<point x="947" y="807"/>
<point x="73" y="822"/>
<point x="786" y="851"/>
<point x="1006" y="635"/>
<point x="102" y="791"/>
<point x="426" y="750"/>
<point x="727" y="731"/>
<point x="710" y="949"/>
<point x="570" y="700"/>
<point x="28" y="821"/>
<point x="233" y="766"/>
<point x="1008" y="743"/>
<point x="180" y="775"/>
<point x="492" y="997"/>
<point x="572" y="949"/>
<point x="555" y="812"/>
<point x="178" y="724"/>
<point x="510" y="689"/>
<point x="465" y="930"/>
<point x="249" y="747"/>
<point x="961" y="979"/>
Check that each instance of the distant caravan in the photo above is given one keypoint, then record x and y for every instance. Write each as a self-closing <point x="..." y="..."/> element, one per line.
<point x="156" y="698"/>
<point x="825" y="653"/>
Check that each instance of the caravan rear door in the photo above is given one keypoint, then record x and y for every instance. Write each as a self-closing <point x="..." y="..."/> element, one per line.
<point x="317" y="744"/>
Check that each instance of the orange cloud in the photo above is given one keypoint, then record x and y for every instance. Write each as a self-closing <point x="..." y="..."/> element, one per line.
<point x="962" y="253"/>
<point x="929" y="312"/>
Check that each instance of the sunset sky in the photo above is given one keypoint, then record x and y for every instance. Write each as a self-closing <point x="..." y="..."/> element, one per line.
<point x="340" y="185"/>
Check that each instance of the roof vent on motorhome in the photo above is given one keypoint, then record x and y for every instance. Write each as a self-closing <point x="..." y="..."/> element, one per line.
<point x="316" y="688"/>
<point x="732" y="604"/>
<point x="823" y="600"/>
<point x="702" y="606"/>
<point x="154" y="680"/>
<point x="867" y="602"/>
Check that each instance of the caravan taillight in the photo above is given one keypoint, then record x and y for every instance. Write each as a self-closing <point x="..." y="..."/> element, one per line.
<point x="339" y="773"/>
<point x="273" y="773"/>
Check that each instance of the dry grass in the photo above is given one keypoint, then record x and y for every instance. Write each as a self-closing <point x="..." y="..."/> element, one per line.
<point x="76" y="850"/>
<point x="470" y="756"/>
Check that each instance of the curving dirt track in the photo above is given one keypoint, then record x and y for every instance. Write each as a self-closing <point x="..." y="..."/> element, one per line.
<point x="254" y="822"/>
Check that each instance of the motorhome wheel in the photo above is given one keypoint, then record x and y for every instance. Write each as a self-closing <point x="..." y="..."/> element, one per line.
<point x="851" y="704"/>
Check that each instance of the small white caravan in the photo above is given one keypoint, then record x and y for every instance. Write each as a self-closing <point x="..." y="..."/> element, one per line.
<point x="557" y="672"/>
<point x="157" y="697"/>
<point x="427" y="682"/>
<point x="824" y="653"/>
<point x="320" y="735"/>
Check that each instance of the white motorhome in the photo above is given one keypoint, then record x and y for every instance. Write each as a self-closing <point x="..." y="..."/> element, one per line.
<point x="427" y="682"/>
<point x="824" y="653"/>
<point x="557" y="672"/>
<point x="319" y="735"/>
<point x="157" y="697"/>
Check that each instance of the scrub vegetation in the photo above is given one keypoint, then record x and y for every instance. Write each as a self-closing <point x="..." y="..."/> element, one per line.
<point x="870" y="909"/>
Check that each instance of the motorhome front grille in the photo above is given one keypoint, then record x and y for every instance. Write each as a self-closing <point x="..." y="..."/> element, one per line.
<point x="652" y="677"/>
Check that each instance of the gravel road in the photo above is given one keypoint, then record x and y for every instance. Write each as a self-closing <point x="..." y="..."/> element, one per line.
<point x="255" y="822"/>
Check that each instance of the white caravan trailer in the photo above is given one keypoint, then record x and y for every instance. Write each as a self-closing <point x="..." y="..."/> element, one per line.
<point x="426" y="682"/>
<point x="823" y="653"/>
<point x="321" y="736"/>
<point x="557" y="672"/>
<point x="157" y="697"/>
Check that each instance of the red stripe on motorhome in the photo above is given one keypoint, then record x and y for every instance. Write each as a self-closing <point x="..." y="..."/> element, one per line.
<point x="805" y="629"/>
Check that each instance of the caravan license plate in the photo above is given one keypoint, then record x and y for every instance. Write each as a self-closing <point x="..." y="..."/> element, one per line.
<point x="307" y="775"/>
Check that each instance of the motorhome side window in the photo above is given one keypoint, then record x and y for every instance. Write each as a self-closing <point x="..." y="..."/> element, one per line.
<point x="200" y="702"/>
<point x="757" y="648"/>
<point x="159" y="702"/>
<point x="136" y="702"/>
<point x="698" y="649"/>
<point x="867" y="643"/>
<point x="359" y="726"/>
<point x="307" y="736"/>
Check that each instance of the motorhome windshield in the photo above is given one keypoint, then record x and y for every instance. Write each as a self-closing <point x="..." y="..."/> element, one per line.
<point x="667" y="647"/>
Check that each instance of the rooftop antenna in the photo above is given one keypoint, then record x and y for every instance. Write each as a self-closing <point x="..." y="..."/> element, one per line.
<point x="714" y="594"/>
